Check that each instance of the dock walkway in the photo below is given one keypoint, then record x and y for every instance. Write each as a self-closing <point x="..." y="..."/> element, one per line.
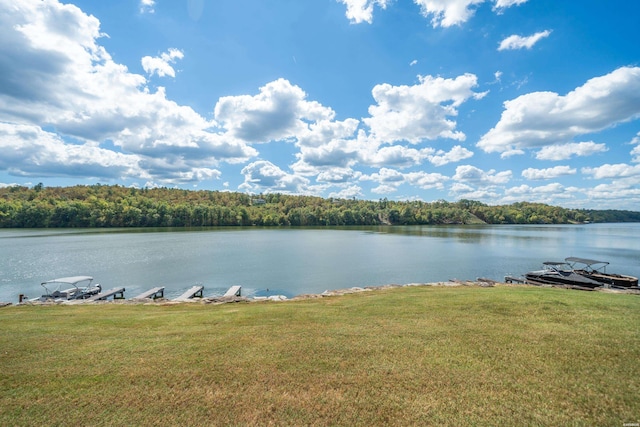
<point x="194" y="292"/>
<point x="234" y="291"/>
<point x="153" y="293"/>
<point x="116" y="293"/>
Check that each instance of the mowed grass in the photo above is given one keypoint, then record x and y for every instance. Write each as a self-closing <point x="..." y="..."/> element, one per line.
<point x="403" y="356"/>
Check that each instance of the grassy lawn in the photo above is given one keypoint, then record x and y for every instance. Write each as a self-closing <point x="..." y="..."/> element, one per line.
<point x="402" y="356"/>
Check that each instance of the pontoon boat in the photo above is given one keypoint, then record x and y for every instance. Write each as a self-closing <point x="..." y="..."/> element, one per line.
<point x="559" y="273"/>
<point x="69" y="288"/>
<point x="596" y="270"/>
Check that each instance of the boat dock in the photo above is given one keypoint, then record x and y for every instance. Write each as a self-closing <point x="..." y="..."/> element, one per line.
<point x="193" y="292"/>
<point x="234" y="291"/>
<point x="153" y="293"/>
<point x="190" y="295"/>
<point x="116" y="293"/>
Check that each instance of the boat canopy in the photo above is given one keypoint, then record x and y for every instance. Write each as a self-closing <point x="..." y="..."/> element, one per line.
<point x="585" y="261"/>
<point x="69" y="280"/>
<point x="590" y="265"/>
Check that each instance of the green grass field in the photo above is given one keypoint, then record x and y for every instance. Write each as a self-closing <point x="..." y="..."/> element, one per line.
<point x="401" y="356"/>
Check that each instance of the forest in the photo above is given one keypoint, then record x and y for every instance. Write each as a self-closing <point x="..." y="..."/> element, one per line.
<point x="117" y="206"/>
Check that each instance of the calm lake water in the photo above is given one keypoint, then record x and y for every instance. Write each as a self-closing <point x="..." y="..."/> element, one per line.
<point x="274" y="261"/>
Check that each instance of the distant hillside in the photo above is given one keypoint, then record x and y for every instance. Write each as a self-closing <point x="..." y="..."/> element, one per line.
<point x="116" y="206"/>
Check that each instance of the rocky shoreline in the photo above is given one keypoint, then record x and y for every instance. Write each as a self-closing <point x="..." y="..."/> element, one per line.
<point x="236" y="299"/>
<point x="480" y="282"/>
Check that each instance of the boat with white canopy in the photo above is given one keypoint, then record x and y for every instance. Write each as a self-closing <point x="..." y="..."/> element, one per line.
<point x="69" y="288"/>
<point x="559" y="273"/>
<point x="597" y="270"/>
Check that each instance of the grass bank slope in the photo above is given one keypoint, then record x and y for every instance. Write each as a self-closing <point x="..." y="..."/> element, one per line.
<point x="403" y="356"/>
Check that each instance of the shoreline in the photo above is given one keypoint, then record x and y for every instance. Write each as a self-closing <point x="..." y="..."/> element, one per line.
<point x="216" y="300"/>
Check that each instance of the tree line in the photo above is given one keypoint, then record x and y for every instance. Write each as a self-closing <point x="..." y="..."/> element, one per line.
<point x="117" y="206"/>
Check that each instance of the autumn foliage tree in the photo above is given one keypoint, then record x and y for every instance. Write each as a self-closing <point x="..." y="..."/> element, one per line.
<point x="117" y="206"/>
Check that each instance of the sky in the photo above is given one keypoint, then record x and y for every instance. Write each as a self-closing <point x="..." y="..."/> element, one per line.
<point x="498" y="101"/>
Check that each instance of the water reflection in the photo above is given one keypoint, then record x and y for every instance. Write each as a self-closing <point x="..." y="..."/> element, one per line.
<point x="474" y="233"/>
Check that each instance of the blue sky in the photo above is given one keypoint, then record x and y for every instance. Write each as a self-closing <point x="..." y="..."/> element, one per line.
<point x="492" y="100"/>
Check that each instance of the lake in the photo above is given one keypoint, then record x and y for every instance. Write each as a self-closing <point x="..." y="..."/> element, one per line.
<point x="294" y="261"/>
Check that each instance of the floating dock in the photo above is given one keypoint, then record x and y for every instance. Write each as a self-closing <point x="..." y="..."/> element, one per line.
<point x="193" y="292"/>
<point x="116" y="293"/>
<point x="234" y="291"/>
<point x="153" y="293"/>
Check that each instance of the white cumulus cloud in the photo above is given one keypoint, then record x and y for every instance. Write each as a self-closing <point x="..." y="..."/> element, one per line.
<point x="147" y="6"/>
<point x="390" y="179"/>
<point x="426" y="180"/>
<point x="422" y="111"/>
<point x="447" y="13"/>
<point x="362" y="10"/>
<point x="566" y="151"/>
<point x="456" y="154"/>
<point x="619" y="170"/>
<point x="627" y="189"/>
<point x="503" y="4"/>
<point x="443" y="13"/>
<point x="396" y="156"/>
<point x="635" y="152"/>
<point x="540" y="194"/>
<point x="280" y="111"/>
<point x="348" y="192"/>
<point x="161" y="65"/>
<point x="472" y="174"/>
<point x="541" y="119"/>
<point x="56" y="75"/>
<point x="30" y="151"/>
<point x="518" y="42"/>
<point x="550" y="173"/>
<point x="264" y="176"/>
<point x="464" y="191"/>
